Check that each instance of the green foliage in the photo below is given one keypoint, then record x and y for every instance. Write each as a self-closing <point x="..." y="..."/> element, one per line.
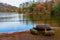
<point x="55" y="13"/>
<point x="32" y="7"/>
<point x="56" y="10"/>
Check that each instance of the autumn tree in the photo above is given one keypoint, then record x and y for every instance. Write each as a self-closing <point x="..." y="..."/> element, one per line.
<point x="40" y="7"/>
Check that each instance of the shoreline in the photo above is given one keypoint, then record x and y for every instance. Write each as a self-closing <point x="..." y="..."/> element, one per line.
<point x="26" y="35"/>
<point x="12" y="33"/>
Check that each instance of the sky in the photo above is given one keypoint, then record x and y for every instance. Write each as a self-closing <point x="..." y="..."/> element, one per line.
<point x="13" y="2"/>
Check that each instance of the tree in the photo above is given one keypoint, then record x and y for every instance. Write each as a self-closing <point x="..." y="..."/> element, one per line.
<point x="40" y="7"/>
<point x="32" y="7"/>
<point x="55" y="14"/>
<point x="55" y="10"/>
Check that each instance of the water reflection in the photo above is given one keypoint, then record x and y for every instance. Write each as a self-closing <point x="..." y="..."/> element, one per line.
<point x="13" y="22"/>
<point x="14" y="27"/>
<point x="34" y="18"/>
<point x="8" y="17"/>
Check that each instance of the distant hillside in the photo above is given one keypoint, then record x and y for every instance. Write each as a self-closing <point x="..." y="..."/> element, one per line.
<point x="7" y="8"/>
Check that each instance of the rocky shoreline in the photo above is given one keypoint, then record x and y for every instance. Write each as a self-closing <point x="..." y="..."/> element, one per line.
<point x="26" y="35"/>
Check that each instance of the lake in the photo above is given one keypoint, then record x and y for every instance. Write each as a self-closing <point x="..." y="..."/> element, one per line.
<point x="14" y="22"/>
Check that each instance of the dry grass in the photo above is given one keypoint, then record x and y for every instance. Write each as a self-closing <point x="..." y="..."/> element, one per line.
<point x="28" y="36"/>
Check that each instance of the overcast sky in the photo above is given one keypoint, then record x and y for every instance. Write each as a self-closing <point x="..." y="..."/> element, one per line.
<point x="14" y="2"/>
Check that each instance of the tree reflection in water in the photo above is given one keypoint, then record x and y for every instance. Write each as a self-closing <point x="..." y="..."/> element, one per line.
<point x="34" y="18"/>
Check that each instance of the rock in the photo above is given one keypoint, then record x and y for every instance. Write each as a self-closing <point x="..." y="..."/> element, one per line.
<point x="43" y="29"/>
<point x="49" y="33"/>
<point x="38" y="27"/>
<point x="33" y="31"/>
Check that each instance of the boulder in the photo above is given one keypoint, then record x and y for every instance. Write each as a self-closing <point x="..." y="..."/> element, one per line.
<point x="38" y="27"/>
<point x="43" y="29"/>
<point x="33" y="31"/>
<point x="49" y="33"/>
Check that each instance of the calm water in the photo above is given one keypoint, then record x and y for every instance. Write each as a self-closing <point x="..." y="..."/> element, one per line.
<point x="13" y="22"/>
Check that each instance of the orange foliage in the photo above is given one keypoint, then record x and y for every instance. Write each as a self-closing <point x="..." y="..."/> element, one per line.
<point x="49" y="7"/>
<point x="40" y="5"/>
